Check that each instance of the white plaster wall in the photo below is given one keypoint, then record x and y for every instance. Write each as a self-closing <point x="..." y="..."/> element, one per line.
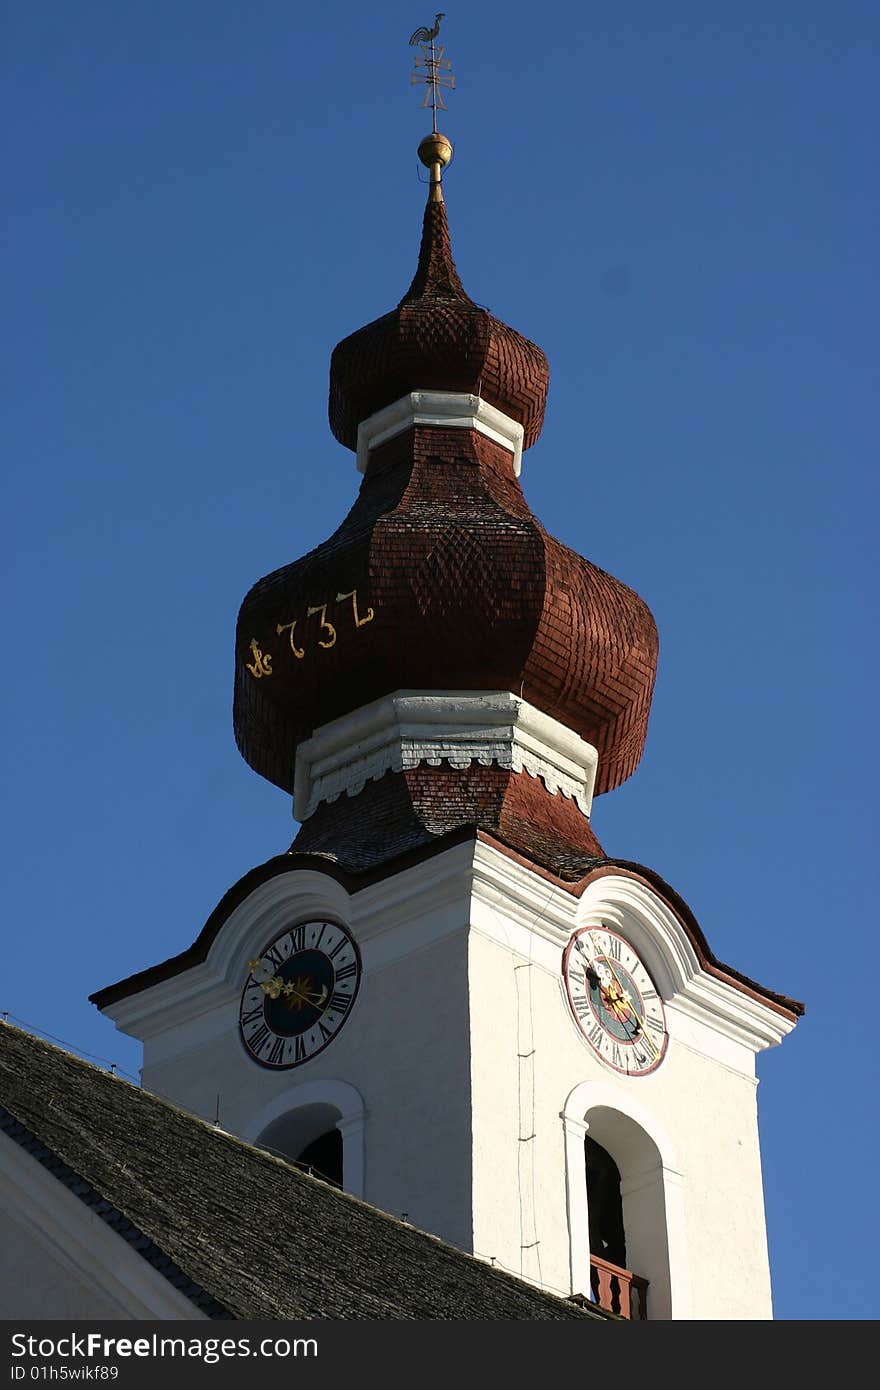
<point x="36" y="1284"/>
<point x="406" y="1049"/>
<point x="519" y="1184"/>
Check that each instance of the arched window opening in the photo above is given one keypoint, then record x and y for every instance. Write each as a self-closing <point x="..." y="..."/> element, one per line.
<point x="624" y="1171"/>
<point x="319" y="1124"/>
<point x="323" y="1157"/>
<point x="647" y="1184"/>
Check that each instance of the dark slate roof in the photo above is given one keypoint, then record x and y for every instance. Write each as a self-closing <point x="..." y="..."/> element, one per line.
<point x="239" y="1231"/>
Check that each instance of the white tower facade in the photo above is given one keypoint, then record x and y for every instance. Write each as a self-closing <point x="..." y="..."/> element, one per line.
<point x="462" y="1084"/>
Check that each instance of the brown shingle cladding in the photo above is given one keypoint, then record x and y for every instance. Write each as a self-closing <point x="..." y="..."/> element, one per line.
<point x="403" y="810"/>
<point x="436" y="339"/>
<point x="468" y="592"/>
<point x="241" y="1233"/>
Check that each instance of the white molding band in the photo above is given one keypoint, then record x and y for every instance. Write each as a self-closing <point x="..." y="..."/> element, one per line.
<point x="400" y="731"/>
<point x="446" y="409"/>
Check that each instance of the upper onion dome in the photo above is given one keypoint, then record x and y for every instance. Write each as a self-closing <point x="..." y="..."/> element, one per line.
<point x="440" y="578"/>
<point x="436" y="339"/>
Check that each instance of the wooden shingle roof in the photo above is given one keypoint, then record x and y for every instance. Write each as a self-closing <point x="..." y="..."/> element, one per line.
<point x="240" y="1232"/>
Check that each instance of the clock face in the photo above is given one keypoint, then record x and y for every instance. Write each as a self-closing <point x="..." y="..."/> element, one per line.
<point x="299" y="993"/>
<point x="614" y="1001"/>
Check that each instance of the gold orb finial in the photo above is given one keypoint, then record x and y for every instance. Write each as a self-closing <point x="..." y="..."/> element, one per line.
<point x="435" y="149"/>
<point x="435" y="152"/>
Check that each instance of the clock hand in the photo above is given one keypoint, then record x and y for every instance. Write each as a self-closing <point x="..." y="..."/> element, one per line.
<point x="307" y="996"/>
<point x="625" y="994"/>
<point x="641" y="1033"/>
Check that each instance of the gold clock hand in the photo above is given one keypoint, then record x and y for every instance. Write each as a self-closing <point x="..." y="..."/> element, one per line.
<point x="630" y="1002"/>
<point x="307" y="996"/>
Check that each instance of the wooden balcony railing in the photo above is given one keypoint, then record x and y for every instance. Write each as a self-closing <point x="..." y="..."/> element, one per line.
<point x="618" y="1290"/>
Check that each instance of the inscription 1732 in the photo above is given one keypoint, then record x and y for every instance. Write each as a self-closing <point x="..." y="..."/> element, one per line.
<point x="324" y="634"/>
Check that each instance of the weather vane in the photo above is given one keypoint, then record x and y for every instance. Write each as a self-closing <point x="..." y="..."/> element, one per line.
<point x="431" y="67"/>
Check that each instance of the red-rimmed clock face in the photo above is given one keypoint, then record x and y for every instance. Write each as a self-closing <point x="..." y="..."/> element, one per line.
<point x="299" y="993"/>
<point x="614" y="1001"/>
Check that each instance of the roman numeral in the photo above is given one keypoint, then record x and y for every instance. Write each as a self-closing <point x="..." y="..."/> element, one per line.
<point x="276" y="1056"/>
<point x="595" y="1035"/>
<point x="340" y="946"/>
<point x="320" y="934"/>
<point x="616" y="1054"/>
<point x="649" y="994"/>
<point x="274" y="956"/>
<point x="614" y="945"/>
<point x="346" y="972"/>
<point x="577" y="976"/>
<point x="258" y="1037"/>
<point x="251" y="1016"/>
<point x="340" y="1002"/>
<point x="326" y="1033"/>
<point x="298" y="937"/>
<point x="653" y="1022"/>
<point x="299" y="1049"/>
<point x="581" y="1007"/>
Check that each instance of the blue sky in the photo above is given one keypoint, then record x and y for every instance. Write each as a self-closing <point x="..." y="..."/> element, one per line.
<point x="677" y="203"/>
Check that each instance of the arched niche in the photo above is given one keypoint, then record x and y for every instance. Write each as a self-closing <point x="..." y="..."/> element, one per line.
<point x="299" y="1116"/>
<point x="650" y="1189"/>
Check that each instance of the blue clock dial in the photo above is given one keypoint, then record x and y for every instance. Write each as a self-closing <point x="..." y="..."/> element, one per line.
<point x="299" y="993"/>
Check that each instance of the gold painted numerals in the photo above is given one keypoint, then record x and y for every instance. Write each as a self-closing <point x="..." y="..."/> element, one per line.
<point x="262" y="664"/>
<point x="327" y="632"/>
<point x="358" y="621"/>
<point x="330" y="640"/>
<point x="299" y="652"/>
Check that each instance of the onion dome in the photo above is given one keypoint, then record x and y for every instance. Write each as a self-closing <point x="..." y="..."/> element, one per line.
<point x="436" y="339"/>
<point x="440" y="578"/>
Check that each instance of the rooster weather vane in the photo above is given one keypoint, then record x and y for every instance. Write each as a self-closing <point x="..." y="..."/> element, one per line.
<point x="431" y="67"/>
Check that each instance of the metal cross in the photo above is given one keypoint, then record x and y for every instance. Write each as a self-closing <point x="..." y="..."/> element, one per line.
<point x="436" y="72"/>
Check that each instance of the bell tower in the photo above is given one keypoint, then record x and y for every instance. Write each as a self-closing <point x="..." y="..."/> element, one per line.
<point x="445" y="994"/>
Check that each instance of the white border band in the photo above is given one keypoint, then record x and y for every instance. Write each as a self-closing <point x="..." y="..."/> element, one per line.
<point x="446" y="409"/>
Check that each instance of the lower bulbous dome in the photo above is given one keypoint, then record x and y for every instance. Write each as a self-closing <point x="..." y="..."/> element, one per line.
<point x="440" y="578"/>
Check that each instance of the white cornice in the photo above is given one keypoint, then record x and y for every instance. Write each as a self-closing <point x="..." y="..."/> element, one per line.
<point x="470" y="887"/>
<point x="390" y="918"/>
<point x="400" y="731"/>
<point x="446" y="409"/>
<point x="660" y="938"/>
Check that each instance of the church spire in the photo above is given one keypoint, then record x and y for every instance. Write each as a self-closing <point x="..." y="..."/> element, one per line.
<point x="436" y="275"/>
